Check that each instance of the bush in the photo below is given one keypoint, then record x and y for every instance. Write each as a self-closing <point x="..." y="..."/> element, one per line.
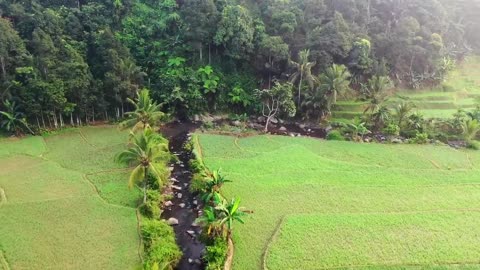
<point x="420" y="138"/>
<point x="160" y="247"/>
<point x="474" y="145"/>
<point x="151" y="208"/>
<point x="335" y="135"/>
<point x="216" y="254"/>
<point x="392" y="130"/>
<point x="198" y="182"/>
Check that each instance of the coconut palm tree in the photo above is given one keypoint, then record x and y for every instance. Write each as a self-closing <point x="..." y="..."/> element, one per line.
<point x="214" y="182"/>
<point x="147" y="154"/>
<point x="146" y="114"/>
<point x="314" y="103"/>
<point x="13" y="120"/>
<point x="334" y="81"/>
<point x="303" y="72"/>
<point x="375" y="91"/>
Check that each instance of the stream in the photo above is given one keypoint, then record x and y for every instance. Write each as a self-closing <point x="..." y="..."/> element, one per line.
<point x="186" y="206"/>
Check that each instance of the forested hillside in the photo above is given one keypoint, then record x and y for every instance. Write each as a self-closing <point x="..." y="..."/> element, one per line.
<point x="71" y="62"/>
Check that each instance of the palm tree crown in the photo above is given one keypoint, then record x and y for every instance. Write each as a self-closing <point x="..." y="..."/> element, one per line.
<point x="334" y="81"/>
<point x="147" y="154"/>
<point x="146" y="114"/>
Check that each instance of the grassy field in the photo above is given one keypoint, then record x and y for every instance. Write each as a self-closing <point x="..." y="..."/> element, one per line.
<point x="66" y="204"/>
<point x="461" y="90"/>
<point x="341" y="205"/>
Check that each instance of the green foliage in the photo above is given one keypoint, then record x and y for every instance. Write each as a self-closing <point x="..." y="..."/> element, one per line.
<point x="12" y="120"/>
<point x="215" y="255"/>
<point x="335" y="135"/>
<point x="420" y="138"/>
<point x="392" y="130"/>
<point x="276" y="100"/>
<point x="161" y="249"/>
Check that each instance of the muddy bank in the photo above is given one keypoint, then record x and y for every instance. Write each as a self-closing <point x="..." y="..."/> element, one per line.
<point x="185" y="205"/>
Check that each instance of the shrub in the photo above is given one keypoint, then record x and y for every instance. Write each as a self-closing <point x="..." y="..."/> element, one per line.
<point x="335" y="135"/>
<point x="160" y="247"/>
<point x="420" y="138"/>
<point x="198" y="182"/>
<point x="473" y="145"/>
<point x="151" y="208"/>
<point x="392" y="130"/>
<point x="216" y="254"/>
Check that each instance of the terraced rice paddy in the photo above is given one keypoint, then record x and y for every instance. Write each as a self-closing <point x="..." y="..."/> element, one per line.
<point x="460" y="91"/>
<point x="341" y="205"/>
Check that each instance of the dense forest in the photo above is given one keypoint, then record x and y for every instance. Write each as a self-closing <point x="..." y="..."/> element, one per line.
<point x="71" y="62"/>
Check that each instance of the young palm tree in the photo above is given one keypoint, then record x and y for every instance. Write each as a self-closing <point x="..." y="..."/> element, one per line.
<point x="146" y="114"/>
<point x="230" y="211"/>
<point x="147" y="155"/>
<point x="381" y="116"/>
<point x="314" y="103"/>
<point x="210" y="221"/>
<point x="334" y="80"/>
<point x="214" y="182"/>
<point x="402" y="111"/>
<point x="375" y="91"/>
<point x="470" y="128"/>
<point x="303" y="72"/>
<point x="13" y="120"/>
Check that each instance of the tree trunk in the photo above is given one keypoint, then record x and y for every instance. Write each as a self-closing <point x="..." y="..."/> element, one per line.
<point x="300" y="89"/>
<point x="145" y="185"/>
<point x="71" y="119"/>
<point x="49" y="121"/>
<point x="269" y="118"/>
<point x="2" y="65"/>
<point x="106" y="116"/>
<point x="201" y="52"/>
<point x="43" y="120"/>
<point x="123" y="110"/>
<point x="38" y="122"/>
<point x="61" y="119"/>
<point x="93" y="114"/>
<point x="209" y="55"/>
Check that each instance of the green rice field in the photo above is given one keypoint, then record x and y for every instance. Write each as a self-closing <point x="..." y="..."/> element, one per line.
<point x="65" y="203"/>
<point x="340" y="205"/>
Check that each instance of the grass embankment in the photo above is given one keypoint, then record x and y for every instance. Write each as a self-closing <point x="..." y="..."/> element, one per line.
<point x="67" y="204"/>
<point x="365" y="206"/>
<point x="460" y="91"/>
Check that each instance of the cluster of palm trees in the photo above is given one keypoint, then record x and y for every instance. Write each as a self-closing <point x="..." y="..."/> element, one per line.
<point x="148" y="152"/>
<point x="323" y="90"/>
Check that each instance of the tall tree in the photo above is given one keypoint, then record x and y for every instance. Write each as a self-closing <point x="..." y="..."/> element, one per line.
<point x="303" y="72"/>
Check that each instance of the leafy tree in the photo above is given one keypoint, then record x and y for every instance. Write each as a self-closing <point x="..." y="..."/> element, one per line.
<point x="14" y="121"/>
<point x="147" y="155"/>
<point x="146" y="114"/>
<point x="210" y="220"/>
<point x="276" y="100"/>
<point x="303" y="72"/>
<point x="334" y="81"/>
<point x="235" y="31"/>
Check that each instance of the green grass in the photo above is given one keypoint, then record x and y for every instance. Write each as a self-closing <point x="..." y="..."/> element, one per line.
<point x="67" y="203"/>
<point x="367" y="206"/>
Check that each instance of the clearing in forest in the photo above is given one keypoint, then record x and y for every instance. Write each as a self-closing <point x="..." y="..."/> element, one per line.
<point x="68" y="205"/>
<point x="341" y="205"/>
